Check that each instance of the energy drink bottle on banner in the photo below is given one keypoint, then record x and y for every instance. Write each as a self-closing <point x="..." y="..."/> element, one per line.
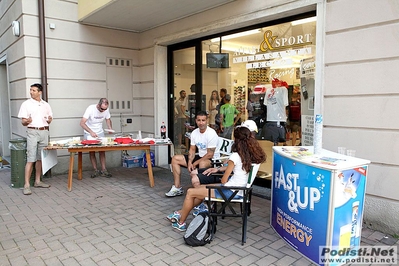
<point x="355" y="232"/>
<point x="345" y="236"/>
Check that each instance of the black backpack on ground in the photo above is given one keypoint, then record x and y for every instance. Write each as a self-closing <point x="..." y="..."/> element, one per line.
<point x="198" y="231"/>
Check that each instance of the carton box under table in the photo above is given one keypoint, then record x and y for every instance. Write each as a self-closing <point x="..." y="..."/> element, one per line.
<point x="132" y="161"/>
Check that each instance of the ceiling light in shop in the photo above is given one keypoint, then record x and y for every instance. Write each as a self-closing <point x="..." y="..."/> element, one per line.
<point x="236" y="35"/>
<point x="238" y="49"/>
<point x="303" y="21"/>
<point x="283" y="67"/>
<point x="292" y="62"/>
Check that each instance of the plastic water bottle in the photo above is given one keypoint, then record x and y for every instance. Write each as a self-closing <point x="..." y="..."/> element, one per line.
<point x="163" y="130"/>
<point x="317" y="138"/>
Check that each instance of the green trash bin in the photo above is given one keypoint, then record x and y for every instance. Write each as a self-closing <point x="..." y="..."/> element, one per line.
<point x="18" y="162"/>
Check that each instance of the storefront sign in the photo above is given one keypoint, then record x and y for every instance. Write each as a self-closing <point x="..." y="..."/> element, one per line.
<point x="271" y="56"/>
<point x="279" y="73"/>
<point x="271" y="42"/>
<point x="274" y="63"/>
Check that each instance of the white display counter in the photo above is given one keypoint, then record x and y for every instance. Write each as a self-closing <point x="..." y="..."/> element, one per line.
<point x="317" y="200"/>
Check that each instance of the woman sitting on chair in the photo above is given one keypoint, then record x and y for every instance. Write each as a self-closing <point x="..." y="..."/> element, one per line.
<point x="246" y="151"/>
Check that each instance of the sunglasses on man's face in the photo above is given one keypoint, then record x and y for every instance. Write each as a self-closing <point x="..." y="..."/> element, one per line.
<point x="102" y="109"/>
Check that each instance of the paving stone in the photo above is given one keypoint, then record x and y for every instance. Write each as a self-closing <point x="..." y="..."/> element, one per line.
<point x="121" y="221"/>
<point x="267" y="260"/>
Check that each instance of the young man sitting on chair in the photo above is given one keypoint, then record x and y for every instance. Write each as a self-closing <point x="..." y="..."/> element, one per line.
<point x="208" y="176"/>
<point x="205" y="139"/>
<point x="246" y="151"/>
<point x="205" y="176"/>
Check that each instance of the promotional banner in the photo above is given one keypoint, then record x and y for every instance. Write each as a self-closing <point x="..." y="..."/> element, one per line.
<point x="300" y="203"/>
<point x="349" y="191"/>
<point x="317" y="203"/>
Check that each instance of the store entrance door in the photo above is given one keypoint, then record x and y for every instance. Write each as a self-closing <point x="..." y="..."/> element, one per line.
<point x="184" y="91"/>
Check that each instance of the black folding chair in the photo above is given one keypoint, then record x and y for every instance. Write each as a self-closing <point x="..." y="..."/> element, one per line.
<point x="226" y="209"/>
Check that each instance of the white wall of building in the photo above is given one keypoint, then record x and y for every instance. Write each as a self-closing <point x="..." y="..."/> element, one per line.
<point x="361" y="98"/>
<point x="76" y="69"/>
<point x="357" y="77"/>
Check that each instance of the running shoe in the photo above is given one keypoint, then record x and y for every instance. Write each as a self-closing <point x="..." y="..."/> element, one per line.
<point x="174" y="191"/>
<point x="181" y="227"/>
<point x="173" y="217"/>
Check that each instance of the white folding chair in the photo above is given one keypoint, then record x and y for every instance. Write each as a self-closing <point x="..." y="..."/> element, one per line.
<point x="222" y="151"/>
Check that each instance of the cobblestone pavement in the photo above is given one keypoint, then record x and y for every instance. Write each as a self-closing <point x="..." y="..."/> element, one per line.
<point x="121" y="221"/>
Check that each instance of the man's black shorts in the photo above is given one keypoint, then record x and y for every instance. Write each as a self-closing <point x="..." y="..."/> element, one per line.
<point x="196" y="158"/>
<point x="204" y="179"/>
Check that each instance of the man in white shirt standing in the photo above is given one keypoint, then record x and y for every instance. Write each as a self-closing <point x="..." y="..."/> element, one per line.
<point x="36" y="115"/>
<point x="92" y="123"/>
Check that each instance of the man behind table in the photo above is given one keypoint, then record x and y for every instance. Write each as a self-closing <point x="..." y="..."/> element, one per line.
<point x="92" y="123"/>
<point x="36" y="115"/>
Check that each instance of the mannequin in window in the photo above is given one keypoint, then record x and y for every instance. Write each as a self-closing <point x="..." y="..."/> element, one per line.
<point x="276" y="101"/>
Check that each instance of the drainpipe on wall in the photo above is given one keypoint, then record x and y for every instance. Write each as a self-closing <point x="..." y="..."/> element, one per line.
<point x="43" y="57"/>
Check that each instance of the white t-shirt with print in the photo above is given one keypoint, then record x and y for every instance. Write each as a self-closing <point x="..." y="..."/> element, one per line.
<point x="203" y="141"/>
<point x="276" y="99"/>
<point x="95" y="118"/>
<point x="240" y="176"/>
